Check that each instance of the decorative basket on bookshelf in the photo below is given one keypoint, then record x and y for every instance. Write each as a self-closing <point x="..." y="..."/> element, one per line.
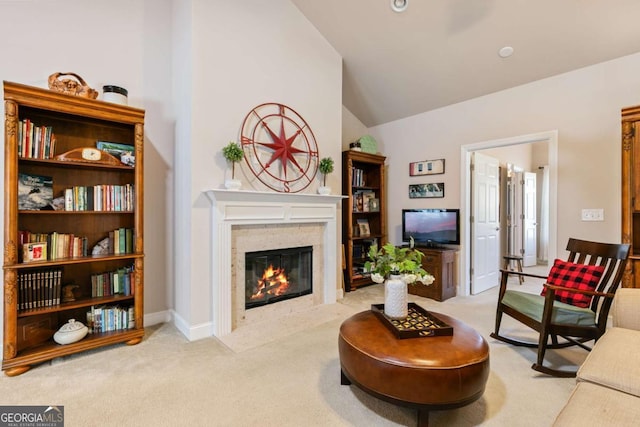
<point x="77" y="87"/>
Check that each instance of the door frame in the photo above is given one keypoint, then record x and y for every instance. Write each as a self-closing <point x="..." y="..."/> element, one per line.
<point x="551" y="137"/>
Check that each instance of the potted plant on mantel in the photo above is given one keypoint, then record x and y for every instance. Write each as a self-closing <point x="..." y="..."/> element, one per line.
<point x="397" y="268"/>
<point x="325" y="167"/>
<point x="233" y="153"/>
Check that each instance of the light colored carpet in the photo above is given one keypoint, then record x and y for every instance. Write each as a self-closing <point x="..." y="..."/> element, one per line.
<point x="288" y="378"/>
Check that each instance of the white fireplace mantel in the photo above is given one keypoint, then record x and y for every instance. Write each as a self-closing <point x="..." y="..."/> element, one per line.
<point x="237" y="207"/>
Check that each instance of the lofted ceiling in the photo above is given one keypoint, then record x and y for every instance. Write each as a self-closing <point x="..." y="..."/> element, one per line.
<point x="440" y="52"/>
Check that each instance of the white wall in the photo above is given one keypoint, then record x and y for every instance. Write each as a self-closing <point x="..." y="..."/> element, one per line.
<point x="352" y="128"/>
<point x="518" y="155"/>
<point x="105" y="45"/>
<point x="583" y="105"/>
<point x="182" y="84"/>
<point x="244" y="53"/>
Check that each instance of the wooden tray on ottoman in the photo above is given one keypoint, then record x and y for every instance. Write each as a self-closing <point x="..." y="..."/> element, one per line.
<point x="418" y="324"/>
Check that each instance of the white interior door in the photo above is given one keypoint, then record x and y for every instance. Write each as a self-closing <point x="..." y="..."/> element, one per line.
<point x="485" y="226"/>
<point x="529" y="221"/>
<point x="515" y="211"/>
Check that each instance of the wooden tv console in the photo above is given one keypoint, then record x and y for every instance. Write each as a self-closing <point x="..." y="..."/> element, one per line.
<point x="441" y="264"/>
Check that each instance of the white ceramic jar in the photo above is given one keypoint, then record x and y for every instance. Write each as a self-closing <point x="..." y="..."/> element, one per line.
<point x="115" y="94"/>
<point x="70" y="332"/>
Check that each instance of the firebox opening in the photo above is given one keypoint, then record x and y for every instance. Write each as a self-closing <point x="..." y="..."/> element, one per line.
<point x="277" y="275"/>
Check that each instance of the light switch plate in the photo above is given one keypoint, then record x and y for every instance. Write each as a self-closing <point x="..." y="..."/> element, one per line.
<point x="593" y="214"/>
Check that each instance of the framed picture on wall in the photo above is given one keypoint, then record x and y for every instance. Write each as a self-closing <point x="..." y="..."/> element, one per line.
<point x="426" y="191"/>
<point x="426" y="167"/>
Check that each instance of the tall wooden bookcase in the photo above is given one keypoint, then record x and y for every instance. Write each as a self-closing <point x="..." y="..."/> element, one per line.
<point x="631" y="193"/>
<point x="364" y="212"/>
<point x="77" y="123"/>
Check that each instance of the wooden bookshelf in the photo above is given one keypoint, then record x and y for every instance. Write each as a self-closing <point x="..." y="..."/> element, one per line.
<point x="630" y="118"/>
<point x="363" y="179"/>
<point x="77" y="123"/>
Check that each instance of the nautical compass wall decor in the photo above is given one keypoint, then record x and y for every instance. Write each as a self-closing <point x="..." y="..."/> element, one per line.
<point x="279" y="148"/>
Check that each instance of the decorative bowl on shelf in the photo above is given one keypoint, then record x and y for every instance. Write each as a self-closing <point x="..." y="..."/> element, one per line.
<point x="70" y="332"/>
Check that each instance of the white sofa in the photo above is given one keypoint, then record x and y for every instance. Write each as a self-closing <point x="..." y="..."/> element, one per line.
<point x="607" y="391"/>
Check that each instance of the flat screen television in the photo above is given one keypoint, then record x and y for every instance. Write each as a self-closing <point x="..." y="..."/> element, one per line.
<point x="431" y="227"/>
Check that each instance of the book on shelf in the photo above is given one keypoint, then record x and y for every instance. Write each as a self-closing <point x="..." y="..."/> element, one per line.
<point x="122" y="248"/>
<point x="35" y="142"/>
<point x="358" y="251"/>
<point x="25" y="236"/>
<point x="118" y="282"/>
<point x="64" y="245"/>
<point x="105" y="318"/>
<point x="116" y="198"/>
<point x="35" y="192"/>
<point x="357" y="177"/>
<point x="39" y="288"/>
<point x="121" y="241"/>
<point x="56" y="246"/>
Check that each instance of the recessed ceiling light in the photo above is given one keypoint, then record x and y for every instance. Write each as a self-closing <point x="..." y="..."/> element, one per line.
<point x="399" y="5"/>
<point x="505" y="52"/>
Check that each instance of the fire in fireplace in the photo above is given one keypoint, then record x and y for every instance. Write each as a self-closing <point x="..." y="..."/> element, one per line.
<point x="277" y="275"/>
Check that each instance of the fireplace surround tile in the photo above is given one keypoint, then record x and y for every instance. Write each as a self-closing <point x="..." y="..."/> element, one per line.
<point x="252" y="238"/>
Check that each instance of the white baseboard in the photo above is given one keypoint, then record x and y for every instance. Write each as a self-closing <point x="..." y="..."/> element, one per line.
<point x="157" y="317"/>
<point x="192" y="332"/>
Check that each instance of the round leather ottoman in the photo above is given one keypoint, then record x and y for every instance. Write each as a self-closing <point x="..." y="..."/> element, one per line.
<point x="430" y="373"/>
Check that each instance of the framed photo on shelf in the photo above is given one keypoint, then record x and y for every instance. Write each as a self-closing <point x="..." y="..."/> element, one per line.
<point x="35" y="251"/>
<point x="374" y="205"/>
<point x="363" y="227"/>
<point x="426" y="167"/>
<point x="123" y="152"/>
<point x="367" y="196"/>
<point x="426" y="191"/>
<point x="35" y="192"/>
<point x="358" y="202"/>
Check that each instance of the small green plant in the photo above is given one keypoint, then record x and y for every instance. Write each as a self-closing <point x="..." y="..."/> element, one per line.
<point x="325" y="167"/>
<point x="233" y="153"/>
<point x="391" y="260"/>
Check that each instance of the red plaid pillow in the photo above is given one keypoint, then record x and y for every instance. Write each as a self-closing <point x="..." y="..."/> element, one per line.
<point x="577" y="276"/>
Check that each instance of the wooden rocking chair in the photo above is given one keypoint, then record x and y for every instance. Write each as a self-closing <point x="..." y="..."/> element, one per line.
<point x="552" y="318"/>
